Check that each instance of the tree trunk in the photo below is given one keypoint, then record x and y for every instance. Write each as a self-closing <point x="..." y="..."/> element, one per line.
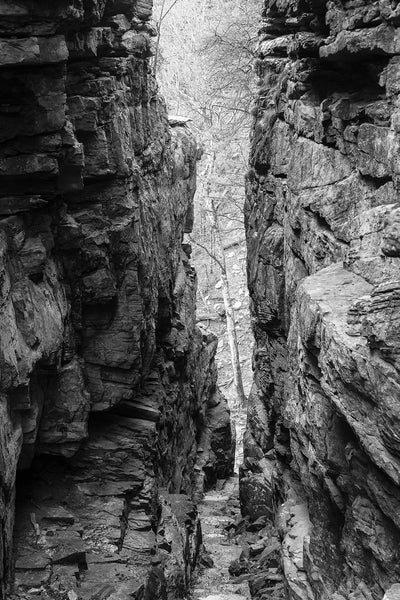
<point x="230" y="313"/>
<point x="157" y="50"/>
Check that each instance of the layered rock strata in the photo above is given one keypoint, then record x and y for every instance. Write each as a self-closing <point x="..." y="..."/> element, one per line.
<point x="106" y="385"/>
<point x="322" y="442"/>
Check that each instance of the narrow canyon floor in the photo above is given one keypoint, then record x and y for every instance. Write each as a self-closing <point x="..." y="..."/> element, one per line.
<point x="241" y="557"/>
<point x="217" y="512"/>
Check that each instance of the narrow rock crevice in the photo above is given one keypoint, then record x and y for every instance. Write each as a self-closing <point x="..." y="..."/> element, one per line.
<point x="112" y="423"/>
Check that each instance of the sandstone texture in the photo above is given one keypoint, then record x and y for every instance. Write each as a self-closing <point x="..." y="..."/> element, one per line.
<point x="322" y="446"/>
<point x="107" y="389"/>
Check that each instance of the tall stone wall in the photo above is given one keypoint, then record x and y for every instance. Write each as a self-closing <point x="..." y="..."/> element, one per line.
<point x="322" y="451"/>
<point x="107" y="388"/>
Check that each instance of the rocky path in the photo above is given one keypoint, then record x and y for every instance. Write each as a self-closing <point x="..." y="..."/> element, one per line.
<point x="218" y="510"/>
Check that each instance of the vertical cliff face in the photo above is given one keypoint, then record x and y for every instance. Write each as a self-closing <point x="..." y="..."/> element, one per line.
<point x="106" y="386"/>
<point x="322" y="443"/>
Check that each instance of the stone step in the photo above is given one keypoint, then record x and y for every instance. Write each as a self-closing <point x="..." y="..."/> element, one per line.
<point x="215" y="583"/>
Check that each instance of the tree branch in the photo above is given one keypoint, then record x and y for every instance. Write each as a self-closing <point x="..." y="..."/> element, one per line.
<point x="210" y="254"/>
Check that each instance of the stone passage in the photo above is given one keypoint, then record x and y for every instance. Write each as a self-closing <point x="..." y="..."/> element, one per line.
<point x="107" y="389"/>
<point x="214" y="581"/>
<point x="240" y="557"/>
<point x="322" y="448"/>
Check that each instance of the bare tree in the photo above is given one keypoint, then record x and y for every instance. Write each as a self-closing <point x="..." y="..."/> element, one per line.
<point x="232" y="84"/>
<point x="163" y="14"/>
<point x="205" y="69"/>
<point x="219" y="257"/>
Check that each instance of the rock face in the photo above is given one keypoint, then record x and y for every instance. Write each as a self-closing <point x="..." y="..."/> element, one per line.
<point x="322" y="450"/>
<point x="106" y="385"/>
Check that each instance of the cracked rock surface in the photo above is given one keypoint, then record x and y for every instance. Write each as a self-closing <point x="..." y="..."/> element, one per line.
<point x="106" y="385"/>
<point x="322" y="440"/>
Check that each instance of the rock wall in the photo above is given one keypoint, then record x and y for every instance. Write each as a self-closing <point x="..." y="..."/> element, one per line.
<point x="322" y="452"/>
<point x="106" y="385"/>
